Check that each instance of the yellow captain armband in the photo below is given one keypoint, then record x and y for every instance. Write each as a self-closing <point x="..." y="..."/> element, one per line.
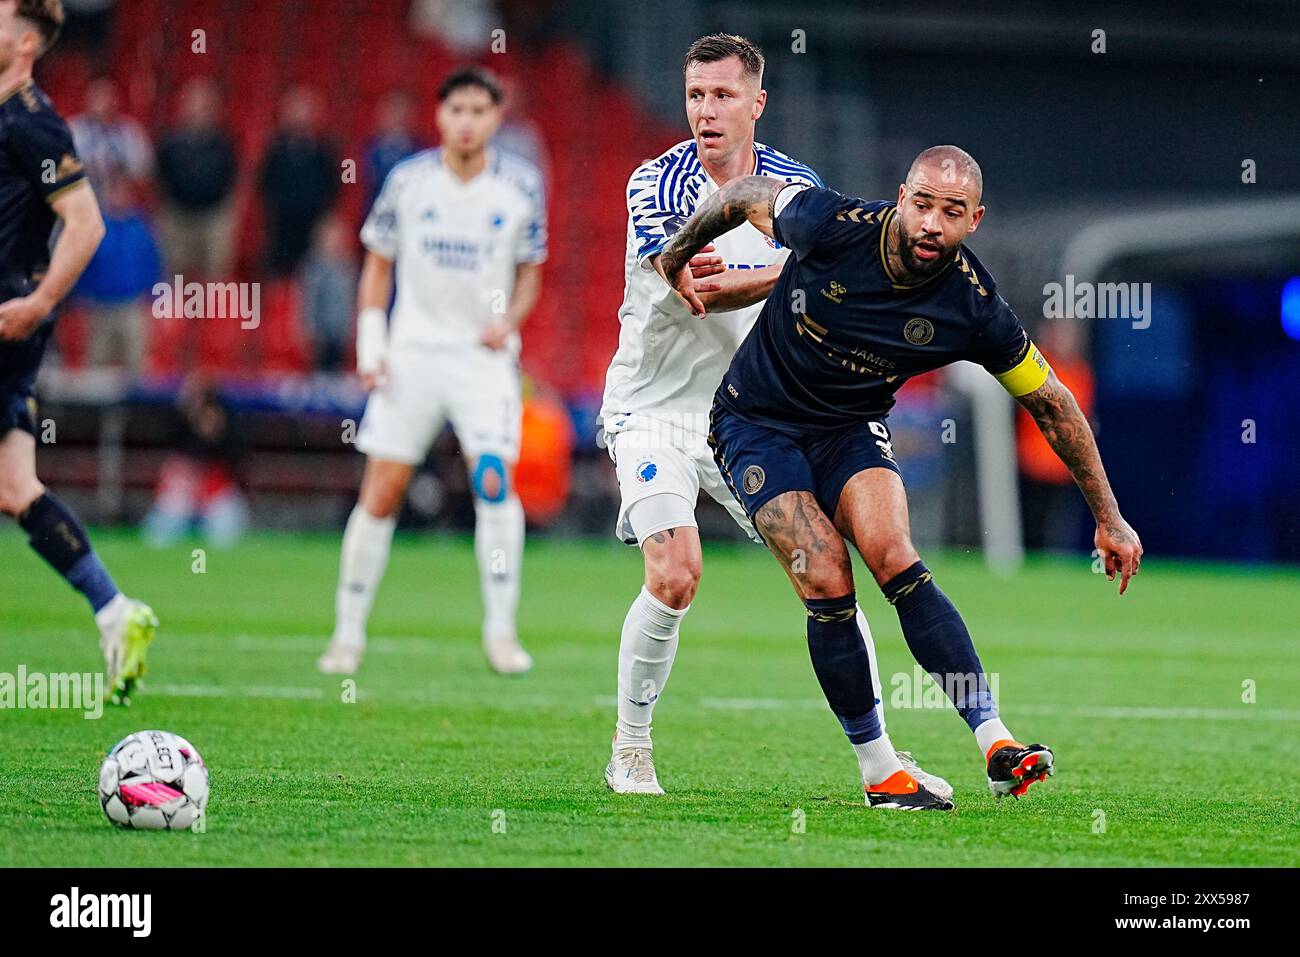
<point x="1028" y="374"/>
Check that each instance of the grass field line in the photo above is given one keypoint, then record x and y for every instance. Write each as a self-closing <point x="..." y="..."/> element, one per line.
<point x="425" y="645"/>
<point x="434" y="697"/>
<point x="1131" y="712"/>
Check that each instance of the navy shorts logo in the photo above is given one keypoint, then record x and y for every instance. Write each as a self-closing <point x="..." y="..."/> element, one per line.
<point x="918" y="331"/>
<point x="646" y="471"/>
<point x="753" y="480"/>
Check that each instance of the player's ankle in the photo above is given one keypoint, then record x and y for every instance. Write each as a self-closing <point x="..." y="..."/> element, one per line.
<point x="624" y="740"/>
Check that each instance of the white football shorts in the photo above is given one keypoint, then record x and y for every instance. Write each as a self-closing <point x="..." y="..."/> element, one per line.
<point x="473" y="388"/>
<point x="653" y="459"/>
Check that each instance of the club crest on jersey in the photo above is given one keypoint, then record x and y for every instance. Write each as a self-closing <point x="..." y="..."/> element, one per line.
<point x="498" y="220"/>
<point x="918" y="331"/>
<point x="753" y="479"/>
<point x="646" y="471"/>
<point x="772" y="242"/>
<point x="428" y="216"/>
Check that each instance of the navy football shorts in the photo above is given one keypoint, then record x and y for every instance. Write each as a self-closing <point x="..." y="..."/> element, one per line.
<point x="19" y="362"/>
<point x="17" y="411"/>
<point x="759" y="463"/>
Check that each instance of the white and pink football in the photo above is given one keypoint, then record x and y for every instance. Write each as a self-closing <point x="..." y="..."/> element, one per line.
<point x="153" y="780"/>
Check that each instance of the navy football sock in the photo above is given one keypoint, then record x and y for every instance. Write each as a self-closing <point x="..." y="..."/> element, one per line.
<point x="843" y="666"/>
<point x="55" y="534"/>
<point x="940" y="643"/>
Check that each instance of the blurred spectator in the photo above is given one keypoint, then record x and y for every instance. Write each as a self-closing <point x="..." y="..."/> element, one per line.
<point x="329" y="292"/>
<point x="198" y="484"/>
<point x="118" y="280"/>
<point x="196" y="170"/>
<point x="299" y="180"/>
<point x="109" y="142"/>
<point x="464" y="25"/>
<point x="393" y="140"/>
<point x="1051" y="506"/>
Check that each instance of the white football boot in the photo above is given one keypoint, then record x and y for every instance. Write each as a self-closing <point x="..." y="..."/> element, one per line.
<point x="931" y="782"/>
<point x="341" y="657"/>
<point x="505" y="655"/>
<point x="126" y="628"/>
<point x="632" y="771"/>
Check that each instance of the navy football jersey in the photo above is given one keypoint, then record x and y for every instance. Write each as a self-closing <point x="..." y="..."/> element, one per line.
<point x="37" y="164"/>
<point x="840" y="334"/>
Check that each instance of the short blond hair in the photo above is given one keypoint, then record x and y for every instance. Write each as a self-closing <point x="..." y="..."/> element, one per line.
<point x="723" y="46"/>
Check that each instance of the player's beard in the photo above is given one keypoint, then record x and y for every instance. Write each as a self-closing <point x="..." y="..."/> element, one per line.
<point x="924" y="268"/>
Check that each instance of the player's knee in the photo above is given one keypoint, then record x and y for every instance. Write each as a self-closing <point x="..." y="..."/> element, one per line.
<point x="674" y="580"/>
<point x="825" y="579"/>
<point x="890" y="558"/>
<point x="17" y="494"/>
<point x="490" y="480"/>
<point x="826" y="573"/>
<point x="382" y="498"/>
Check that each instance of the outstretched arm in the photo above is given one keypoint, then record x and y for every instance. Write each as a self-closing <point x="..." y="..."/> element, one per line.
<point x="749" y="198"/>
<point x="1066" y="429"/>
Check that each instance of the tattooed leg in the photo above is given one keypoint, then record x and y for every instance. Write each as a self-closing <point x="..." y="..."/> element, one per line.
<point x="807" y="545"/>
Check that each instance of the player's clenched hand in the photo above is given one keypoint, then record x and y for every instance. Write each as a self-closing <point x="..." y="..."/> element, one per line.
<point x="20" y="317"/>
<point x="497" y="335"/>
<point x="1120" y="548"/>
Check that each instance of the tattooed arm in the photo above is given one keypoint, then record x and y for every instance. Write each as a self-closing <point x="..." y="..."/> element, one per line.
<point x="1067" y="431"/>
<point x="749" y="198"/>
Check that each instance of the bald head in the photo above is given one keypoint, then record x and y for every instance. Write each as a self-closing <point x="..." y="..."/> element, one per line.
<point x="950" y="166"/>
<point x="938" y="207"/>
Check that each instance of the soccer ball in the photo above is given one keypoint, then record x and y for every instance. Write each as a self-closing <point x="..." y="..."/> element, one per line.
<point x="153" y="780"/>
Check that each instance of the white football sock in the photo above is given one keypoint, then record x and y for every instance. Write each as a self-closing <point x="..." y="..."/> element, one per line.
<point x="366" y="543"/>
<point x="108" y="616"/>
<point x="499" y="545"/>
<point x="875" y="671"/>
<point x="645" y="658"/>
<point x="877" y="760"/>
<point x="990" y="733"/>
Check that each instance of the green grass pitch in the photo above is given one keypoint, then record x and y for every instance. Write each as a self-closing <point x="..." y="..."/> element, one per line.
<point x="439" y="762"/>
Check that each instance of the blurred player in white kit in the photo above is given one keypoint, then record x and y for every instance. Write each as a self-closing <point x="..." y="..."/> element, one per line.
<point x="660" y="384"/>
<point x="465" y="227"/>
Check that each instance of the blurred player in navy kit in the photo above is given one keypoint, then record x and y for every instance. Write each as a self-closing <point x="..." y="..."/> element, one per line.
<point x="874" y="293"/>
<point x="41" y="180"/>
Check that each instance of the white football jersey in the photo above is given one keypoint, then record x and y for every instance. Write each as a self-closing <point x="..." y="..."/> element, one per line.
<point x="456" y="244"/>
<point x="669" y="363"/>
